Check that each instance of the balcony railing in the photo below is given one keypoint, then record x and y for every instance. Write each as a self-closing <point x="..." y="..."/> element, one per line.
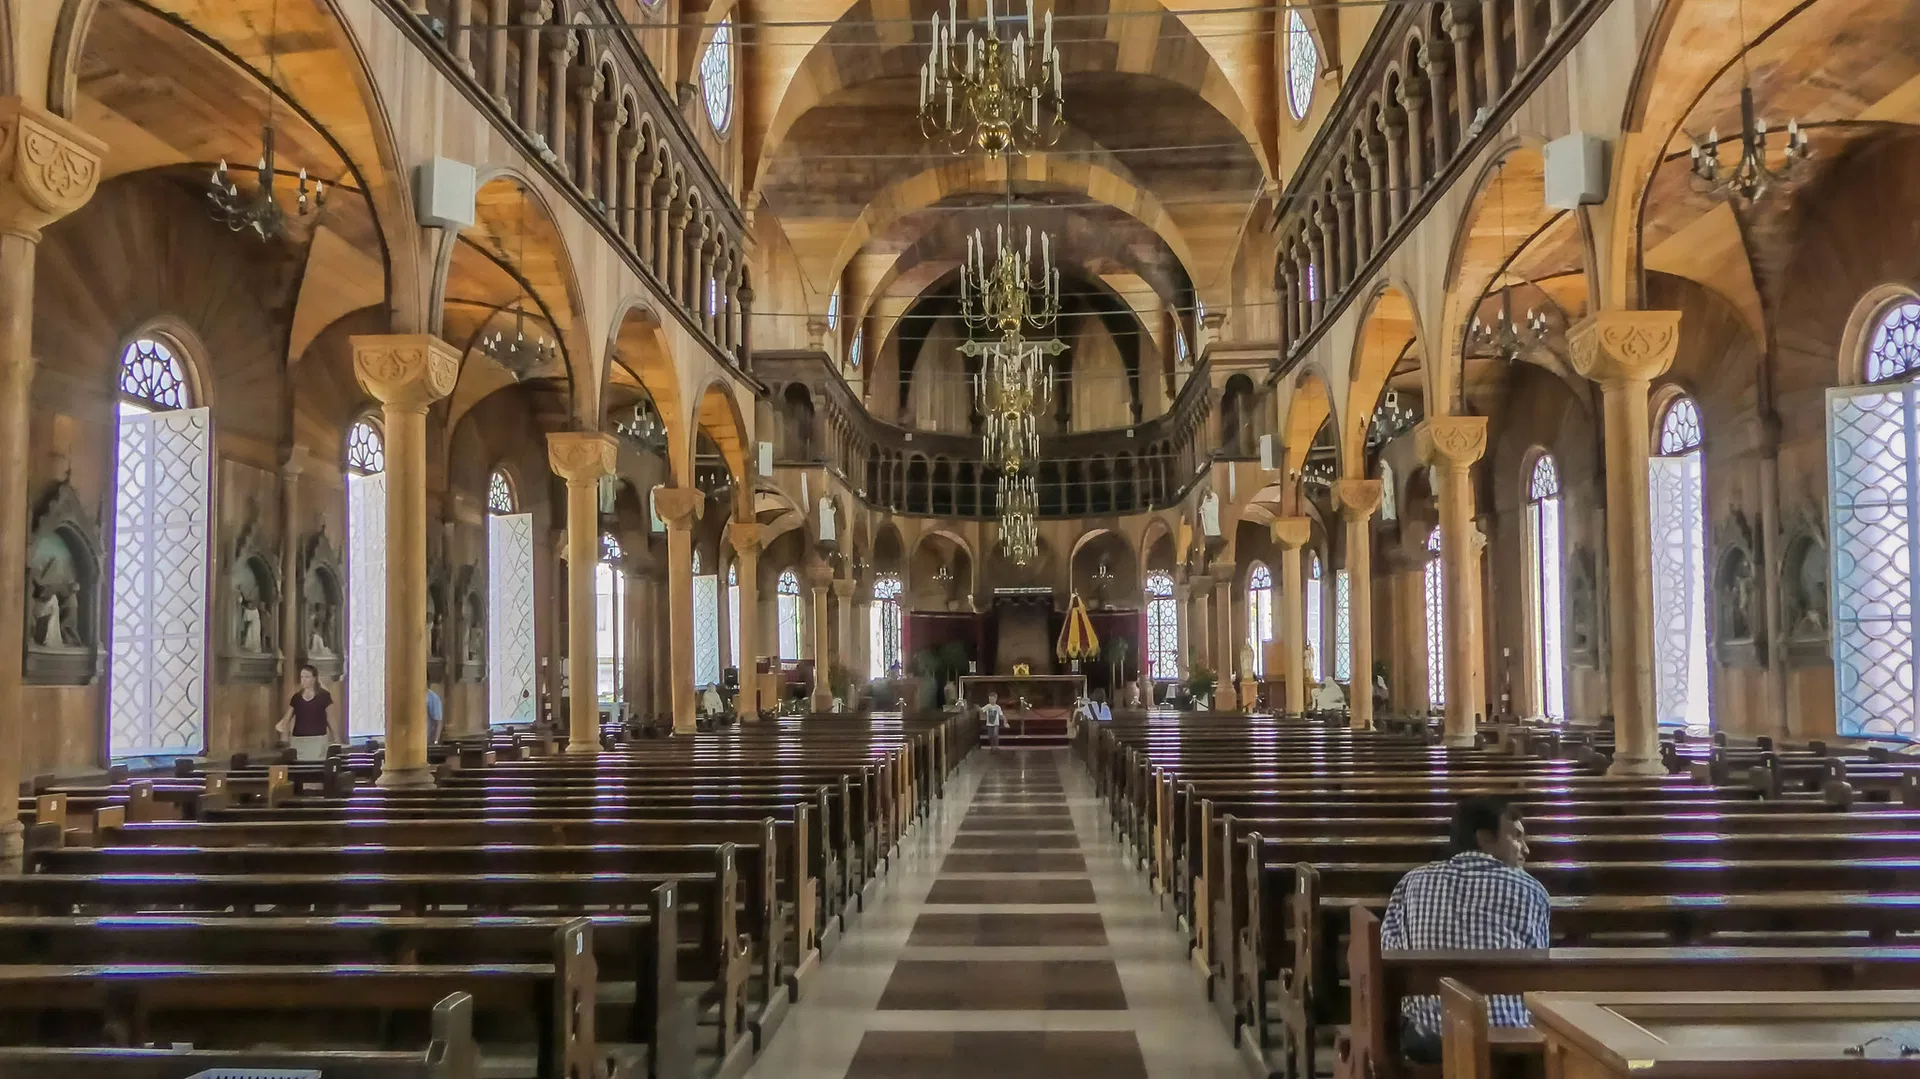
<point x="587" y="104"/>
<point x="1146" y="467"/>
<point x="1430" y="90"/>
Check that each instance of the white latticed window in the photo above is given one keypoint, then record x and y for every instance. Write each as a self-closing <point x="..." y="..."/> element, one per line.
<point x="734" y="656"/>
<point x="1679" y="570"/>
<point x="158" y="670"/>
<point x="609" y="589"/>
<point x="706" y="620"/>
<point x="786" y="599"/>
<point x="1163" y="627"/>
<point x="1259" y="615"/>
<point x="716" y="76"/>
<point x="1316" y="639"/>
<point x="510" y="653"/>
<point x="885" y="640"/>
<point x="1436" y="625"/>
<point x="1543" y="535"/>
<point x="366" y="581"/>
<point x="1342" y="626"/>
<point x="1303" y="64"/>
<point x="1873" y="461"/>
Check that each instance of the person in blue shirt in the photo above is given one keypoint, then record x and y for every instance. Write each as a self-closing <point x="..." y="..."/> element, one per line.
<point x="434" y="712"/>
<point x="1479" y="897"/>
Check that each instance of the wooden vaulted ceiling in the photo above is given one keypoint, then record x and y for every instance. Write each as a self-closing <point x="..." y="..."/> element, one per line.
<point x="1161" y="158"/>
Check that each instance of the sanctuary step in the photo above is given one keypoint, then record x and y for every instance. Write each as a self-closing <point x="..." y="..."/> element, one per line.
<point x="1035" y="733"/>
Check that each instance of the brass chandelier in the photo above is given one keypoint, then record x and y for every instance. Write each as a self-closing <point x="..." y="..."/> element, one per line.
<point x="258" y="211"/>
<point x="1010" y="294"/>
<point x="1019" y="507"/>
<point x="1000" y="96"/>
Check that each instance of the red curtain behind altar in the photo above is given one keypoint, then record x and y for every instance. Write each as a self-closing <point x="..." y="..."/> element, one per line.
<point x="933" y="629"/>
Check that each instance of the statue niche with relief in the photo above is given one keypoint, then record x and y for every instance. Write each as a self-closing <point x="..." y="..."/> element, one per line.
<point x="1803" y="592"/>
<point x="63" y="592"/>
<point x="250" y="655"/>
<point x="1739" y="631"/>
<point x="437" y="619"/>
<point x="470" y="607"/>
<point x="320" y="606"/>
<point x="1583" y="608"/>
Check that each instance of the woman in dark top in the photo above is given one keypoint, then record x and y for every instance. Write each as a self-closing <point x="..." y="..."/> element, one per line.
<point x="305" y="725"/>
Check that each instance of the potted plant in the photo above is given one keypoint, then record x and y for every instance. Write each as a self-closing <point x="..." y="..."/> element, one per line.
<point x="1200" y="681"/>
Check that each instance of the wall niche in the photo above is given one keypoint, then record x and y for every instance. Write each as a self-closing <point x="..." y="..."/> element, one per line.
<point x="63" y="591"/>
<point x="251" y="649"/>
<point x="321" y="597"/>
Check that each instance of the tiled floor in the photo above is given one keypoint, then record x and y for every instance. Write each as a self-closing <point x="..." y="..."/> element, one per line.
<point x="1031" y="950"/>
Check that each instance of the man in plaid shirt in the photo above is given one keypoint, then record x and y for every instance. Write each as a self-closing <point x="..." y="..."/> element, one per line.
<point x="1479" y="898"/>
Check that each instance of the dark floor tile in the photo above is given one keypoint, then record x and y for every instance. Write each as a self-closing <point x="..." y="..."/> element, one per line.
<point x="1045" y="861"/>
<point x="1066" y="930"/>
<point x="1004" y="985"/>
<point x="1007" y="822"/>
<point x="915" y="1054"/>
<point x="1012" y="840"/>
<point x="1012" y="890"/>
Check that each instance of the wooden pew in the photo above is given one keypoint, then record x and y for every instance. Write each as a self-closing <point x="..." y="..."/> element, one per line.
<point x="1379" y="981"/>
<point x="449" y="1053"/>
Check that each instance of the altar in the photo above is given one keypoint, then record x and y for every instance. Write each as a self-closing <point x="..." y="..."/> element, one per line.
<point x="1044" y="694"/>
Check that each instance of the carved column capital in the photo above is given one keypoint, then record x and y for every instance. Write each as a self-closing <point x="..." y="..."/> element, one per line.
<point x="49" y="167"/>
<point x="679" y="507"/>
<point x="1357" y="499"/>
<point x="1292" y="533"/>
<point x="407" y="372"/>
<point x="1618" y="347"/>
<point x="745" y="538"/>
<point x="842" y="587"/>
<point x="581" y="457"/>
<point x="1453" y="442"/>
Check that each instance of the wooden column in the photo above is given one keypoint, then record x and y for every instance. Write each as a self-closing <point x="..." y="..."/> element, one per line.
<point x="679" y="507"/>
<point x="745" y="537"/>
<point x="1292" y="533"/>
<point x="407" y="373"/>
<point x="1624" y="351"/>
<point x="581" y="458"/>
<point x="1357" y="500"/>
<point x="48" y="169"/>
<point x="1451" y="444"/>
<point x="1225" y="647"/>
<point x="821" y="578"/>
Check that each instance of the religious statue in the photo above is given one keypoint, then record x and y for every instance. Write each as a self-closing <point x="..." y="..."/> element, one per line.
<point x="1582" y="642"/>
<point x="50" y="623"/>
<point x="1306" y="664"/>
<point x="1736" y="596"/>
<point x="251" y="640"/>
<point x="1210" y="515"/>
<point x="436" y="630"/>
<point x="1133" y="696"/>
<point x="475" y="633"/>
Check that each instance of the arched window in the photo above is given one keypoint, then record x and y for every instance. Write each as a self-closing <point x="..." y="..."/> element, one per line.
<point x="509" y="638"/>
<point x="786" y="592"/>
<point x="1389" y="500"/>
<point x="853" y="351"/>
<point x="716" y="76"/>
<point x="499" y="493"/>
<point x="366" y="449"/>
<point x="1259" y="615"/>
<point x="1315" y="626"/>
<point x="1163" y="628"/>
<point x="609" y="590"/>
<point x="162" y="511"/>
<point x="706" y="621"/>
<point x="1679" y="570"/>
<point x="366" y="581"/>
<point x="1436" y="626"/>
<point x="1873" y="462"/>
<point x="1303" y="64"/>
<point x="1893" y="352"/>
<point x="833" y="311"/>
<point x="885" y="640"/>
<point x="735" y="657"/>
<point x="1543" y="536"/>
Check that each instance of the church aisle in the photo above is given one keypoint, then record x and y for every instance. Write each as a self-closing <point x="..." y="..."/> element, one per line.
<point x="1012" y="942"/>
